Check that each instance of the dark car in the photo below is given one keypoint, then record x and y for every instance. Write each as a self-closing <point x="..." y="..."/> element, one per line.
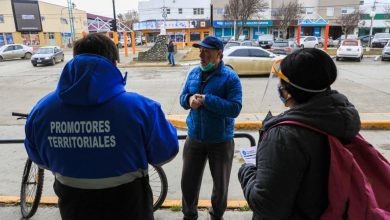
<point x="48" y="55"/>
<point x="380" y="40"/>
<point x="283" y="47"/>
<point x="366" y="39"/>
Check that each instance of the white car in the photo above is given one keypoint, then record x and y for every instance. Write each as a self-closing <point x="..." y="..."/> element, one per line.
<point x="386" y="52"/>
<point x="14" y="51"/>
<point x="350" y="48"/>
<point x="308" y="42"/>
<point x="246" y="60"/>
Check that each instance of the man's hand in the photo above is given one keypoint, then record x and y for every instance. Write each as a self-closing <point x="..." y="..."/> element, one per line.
<point x="195" y="101"/>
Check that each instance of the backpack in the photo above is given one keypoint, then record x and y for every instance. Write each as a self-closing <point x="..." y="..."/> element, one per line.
<point x="359" y="179"/>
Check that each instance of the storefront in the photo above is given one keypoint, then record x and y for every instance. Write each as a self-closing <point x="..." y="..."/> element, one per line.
<point x="252" y="29"/>
<point x="182" y="32"/>
<point x="312" y="27"/>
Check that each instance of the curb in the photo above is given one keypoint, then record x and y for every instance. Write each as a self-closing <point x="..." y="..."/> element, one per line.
<point x="256" y="125"/>
<point x="53" y="201"/>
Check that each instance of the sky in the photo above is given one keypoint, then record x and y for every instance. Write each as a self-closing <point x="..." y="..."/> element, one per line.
<point x="100" y="7"/>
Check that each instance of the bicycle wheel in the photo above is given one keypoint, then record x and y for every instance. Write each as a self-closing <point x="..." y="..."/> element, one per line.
<point x="31" y="190"/>
<point x="159" y="184"/>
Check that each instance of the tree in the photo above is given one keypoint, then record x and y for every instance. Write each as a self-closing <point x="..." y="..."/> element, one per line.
<point x="386" y="9"/>
<point x="128" y="18"/>
<point x="288" y="13"/>
<point x="349" y="22"/>
<point x="241" y="10"/>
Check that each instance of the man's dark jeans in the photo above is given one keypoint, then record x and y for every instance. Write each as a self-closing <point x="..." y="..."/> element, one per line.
<point x="195" y="155"/>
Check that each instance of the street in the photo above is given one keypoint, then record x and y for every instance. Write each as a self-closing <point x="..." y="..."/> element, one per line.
<point x="366" y="84"/>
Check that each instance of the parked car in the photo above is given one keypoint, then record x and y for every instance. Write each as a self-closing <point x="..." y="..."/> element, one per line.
<point x="321" y="41"/>
<point x="337" y="42"/>
<point x="121" y="43"/>
<point x="283" y="47"/>
<point x="14" y="51"/>
<point x="366" y="39"/>
<point x="249" y="60"/>
<point x="239" y="43"/>
<point x="266" y="40"/>
<point x="308" y="42"/>
<point x="380" y="40"/>
<point x="226" y="39"/>
<point x="350" y="48"/>
<point x="386" y="52"/>
<point x="48" y="55"/>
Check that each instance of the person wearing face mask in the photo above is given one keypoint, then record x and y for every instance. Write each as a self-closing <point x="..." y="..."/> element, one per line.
<point x="290" y="178"/>
<point x="213" y="94"/>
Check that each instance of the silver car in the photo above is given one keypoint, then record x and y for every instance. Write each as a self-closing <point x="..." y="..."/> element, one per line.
<point x="386" y="52"/>
<point x="14" y="51"/>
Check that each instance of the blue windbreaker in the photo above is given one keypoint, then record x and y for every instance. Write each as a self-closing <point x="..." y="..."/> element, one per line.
<point x="214" y="121"/>
<point x="92" y="133"/>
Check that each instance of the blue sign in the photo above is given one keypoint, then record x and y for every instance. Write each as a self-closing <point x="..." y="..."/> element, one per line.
<point x="249" y="23"/>
<point x="312" y="22"/>
<point x="2" y="39"/>
<point x="10" y="38"/>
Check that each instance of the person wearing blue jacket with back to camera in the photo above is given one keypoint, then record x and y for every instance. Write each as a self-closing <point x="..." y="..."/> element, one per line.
<point x="213" y="94"/>
<point x="98" y="139"/>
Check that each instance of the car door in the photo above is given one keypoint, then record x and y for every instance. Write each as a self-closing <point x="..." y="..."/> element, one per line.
<point x="57" y="54"/>
<point x="8" y="53"/>
<point x="239" y="59"/>
<point x="19" y="51"/>
<point x="261" y="61"/>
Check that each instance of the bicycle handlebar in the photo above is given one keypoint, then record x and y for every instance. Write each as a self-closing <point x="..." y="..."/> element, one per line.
<point x="22" y="115"/>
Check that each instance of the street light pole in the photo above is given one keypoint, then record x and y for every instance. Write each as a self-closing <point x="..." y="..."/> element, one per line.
<point x="372" y="14"/>
<point x="70" y="12"/>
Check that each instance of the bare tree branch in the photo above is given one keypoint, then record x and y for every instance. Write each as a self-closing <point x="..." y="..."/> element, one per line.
<point x="242" y="10"/>
<point x="287" y="13"/>
<point x="129" y="18"/>
<point x="349" y="22"/>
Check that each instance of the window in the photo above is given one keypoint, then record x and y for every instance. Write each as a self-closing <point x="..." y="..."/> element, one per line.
<point x="258" y="53"/>
<point x="180" y="11"/>
<point x="347" y="10"/>
<point x="195" y="36"/>
<point x="330" y="12"/>
<point x="220" y="11"/>
<point x="9" y="48"/>
<point x="1" y="18"/>
<point x="51" y="35"/>
<point x="309" y="11"/>
<point x="63" y="21"/>
<point x="240" y="53"/>
<point x="198" y="11"/>
<point x="168" y="11"/>
<point x="18" y="47"/>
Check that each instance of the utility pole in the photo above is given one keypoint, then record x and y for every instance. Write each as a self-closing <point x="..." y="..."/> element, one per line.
<point x="372" y="14"/>
<point x="115" y="33"/>
<point x="212" y="19"/>
<point x="71" y="19"/>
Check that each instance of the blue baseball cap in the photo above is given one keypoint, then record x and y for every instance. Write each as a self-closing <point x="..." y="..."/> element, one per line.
<point x="210" y="42"/>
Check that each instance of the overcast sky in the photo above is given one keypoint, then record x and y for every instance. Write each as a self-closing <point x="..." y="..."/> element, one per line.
<point x="100" y="7"/>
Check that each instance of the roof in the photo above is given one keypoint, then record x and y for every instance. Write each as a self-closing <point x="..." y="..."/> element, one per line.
<point x="93" y="16"/>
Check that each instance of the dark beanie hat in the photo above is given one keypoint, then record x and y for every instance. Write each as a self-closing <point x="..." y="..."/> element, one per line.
<point x="310" y="68"/>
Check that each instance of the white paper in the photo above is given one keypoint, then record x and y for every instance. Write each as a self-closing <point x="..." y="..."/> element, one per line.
<point x="249" y="154"/>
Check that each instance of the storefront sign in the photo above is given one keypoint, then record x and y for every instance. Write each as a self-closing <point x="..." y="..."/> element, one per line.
<point x="26" y="15"/>
<point x="312" y="22"/>
<point x="249" y="23"/>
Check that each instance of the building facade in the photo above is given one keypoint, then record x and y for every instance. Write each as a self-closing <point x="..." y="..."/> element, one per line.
<point x="381" y="21"/>
<point x="186" y="22"/>
<point x="51" y="27"/>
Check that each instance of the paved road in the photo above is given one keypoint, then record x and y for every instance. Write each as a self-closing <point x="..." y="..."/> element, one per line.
<point x="21" y="86"/>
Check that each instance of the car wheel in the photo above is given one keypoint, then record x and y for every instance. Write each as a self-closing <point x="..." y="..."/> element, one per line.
<point x="34" y="64"/>
<point x="316" y="46"/>
<point x="27" y="56"/>
<point x="383" y="59"/>
<point x="1" y="59"/>
<point x="62" y="58"/>
<point x="53" y="61"/>
<point x="338" y="58"/>
<point x="321" y="45"/>
<point x="359" y="59"/>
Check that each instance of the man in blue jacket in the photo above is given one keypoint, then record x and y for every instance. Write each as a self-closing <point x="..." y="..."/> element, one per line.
<point x="98" y="139"/>
<point x="214" y="96"/>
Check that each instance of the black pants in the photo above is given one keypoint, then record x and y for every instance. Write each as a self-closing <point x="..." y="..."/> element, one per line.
<point x="195" y="155"/>
<point x="128" y="201"/>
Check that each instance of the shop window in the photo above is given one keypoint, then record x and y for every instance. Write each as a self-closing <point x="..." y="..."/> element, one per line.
<point x="1" y="18"/>
<point x="10" y="38"/>
<point x="30" y="39"/>
<point x="347" y="10"/>
<point x="195" y="36"/>
<point x="2" y="40"/>
<point x="361" y="2"/>
<point x="180" y="11"/>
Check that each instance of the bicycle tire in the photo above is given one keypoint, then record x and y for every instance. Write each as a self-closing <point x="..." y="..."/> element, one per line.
<point x="159" y="184"/>
<point x="29" y="199"/>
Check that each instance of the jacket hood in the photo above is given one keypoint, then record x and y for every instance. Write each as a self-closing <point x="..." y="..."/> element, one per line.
<point x="89" y="80"/>
<point x="329" y="111"/>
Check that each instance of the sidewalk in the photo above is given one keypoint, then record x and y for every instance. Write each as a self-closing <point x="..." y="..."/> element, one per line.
<point x="252" y="121"/>
<point x="52" y="213"/>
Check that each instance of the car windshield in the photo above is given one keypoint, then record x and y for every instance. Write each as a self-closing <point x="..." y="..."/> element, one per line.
<point x="280" y="44"/>
<point x="45" y="51"/>
<point x="350" y="43"/>
<point x="382" y="35"/>
<point x="266" y="37"/>
<point x="232" y="44"/>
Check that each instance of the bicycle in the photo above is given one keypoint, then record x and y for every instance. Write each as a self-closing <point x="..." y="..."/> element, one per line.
<point x="33" y="178"/>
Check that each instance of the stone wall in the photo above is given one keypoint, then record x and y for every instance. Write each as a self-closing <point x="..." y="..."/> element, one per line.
<point x="159" y="52"/>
